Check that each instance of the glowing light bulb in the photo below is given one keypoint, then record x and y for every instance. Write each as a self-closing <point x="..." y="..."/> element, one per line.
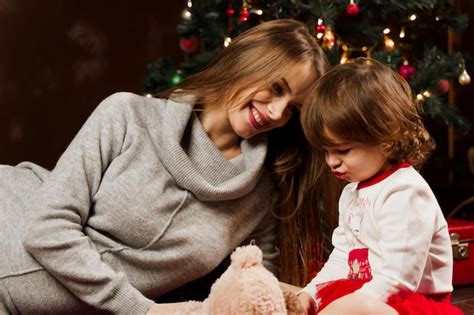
<point x="402" y="33"/>
<point x="389" y="43"/>
<point x="227" y="41"/>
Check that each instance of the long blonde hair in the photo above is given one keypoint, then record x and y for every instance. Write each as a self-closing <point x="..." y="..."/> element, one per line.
<point x="257" y="58"/>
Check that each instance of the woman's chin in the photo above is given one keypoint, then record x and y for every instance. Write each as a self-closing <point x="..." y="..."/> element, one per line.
<point x="247" y="134"/>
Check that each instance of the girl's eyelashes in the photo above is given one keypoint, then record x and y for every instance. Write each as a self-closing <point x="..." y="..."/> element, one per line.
<point x="343" y="151"/>
<point x="336" y="150"/>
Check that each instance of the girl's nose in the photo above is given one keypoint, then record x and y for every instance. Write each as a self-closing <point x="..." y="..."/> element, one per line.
<point x="332" y="160"/>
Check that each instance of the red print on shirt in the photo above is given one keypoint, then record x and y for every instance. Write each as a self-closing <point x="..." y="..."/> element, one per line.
<point x="359" y="266"/>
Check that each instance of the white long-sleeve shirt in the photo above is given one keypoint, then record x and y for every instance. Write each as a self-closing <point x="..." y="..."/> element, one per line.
<point x="396" y="222"/>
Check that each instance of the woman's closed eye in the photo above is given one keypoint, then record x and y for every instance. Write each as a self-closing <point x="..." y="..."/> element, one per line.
<point x="277" y="89"/>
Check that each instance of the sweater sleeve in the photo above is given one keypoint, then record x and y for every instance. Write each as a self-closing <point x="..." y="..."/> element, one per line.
<point x="55" y="235"/>
<point x="265" y="235"/>
<point x="336" y="266"/>
<point x="405" y="222"/>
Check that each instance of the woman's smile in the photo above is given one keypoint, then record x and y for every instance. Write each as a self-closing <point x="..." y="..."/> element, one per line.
<point x="257" y="118"/>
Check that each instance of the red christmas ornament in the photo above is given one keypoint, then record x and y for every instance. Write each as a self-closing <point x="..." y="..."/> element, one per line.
<point x="406" y="71"/>
<point x="244" y="14"/>
<point x="352" y="9"/>
<point x="443" y="86"/>
<point x="230" y="11"/>
<point x="189" y="45"/>
<point x="320" y="28"/>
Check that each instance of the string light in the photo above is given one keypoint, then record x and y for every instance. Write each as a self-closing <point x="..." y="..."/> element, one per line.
<point x="329" y="40"/>
<point x="464" y="78"/>
<point x="386" y="31"/>
<point x="186" y="14"/>
<point x="227" y="41"/>
<point x="402" y="32"/>
<point x="344" y="58"/>
<point x="256" y="11"/>
<point x="421" y="97"/>
<point x="389" y="43"/>
<point x="345" y="54"/>
<point x="412" y="17"/>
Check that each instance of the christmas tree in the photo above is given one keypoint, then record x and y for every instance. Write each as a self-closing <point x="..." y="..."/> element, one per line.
<point x="409" y="36"/>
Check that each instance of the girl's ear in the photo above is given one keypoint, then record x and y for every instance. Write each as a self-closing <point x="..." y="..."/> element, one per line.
<point x="386" y="149"/>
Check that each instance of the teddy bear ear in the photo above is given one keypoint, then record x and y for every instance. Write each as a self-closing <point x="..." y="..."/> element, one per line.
<point x="246" y="256"/>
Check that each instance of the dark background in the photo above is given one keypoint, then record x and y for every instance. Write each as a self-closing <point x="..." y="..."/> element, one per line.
<point x="59" y="59"/>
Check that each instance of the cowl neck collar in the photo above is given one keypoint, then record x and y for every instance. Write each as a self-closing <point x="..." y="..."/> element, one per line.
<point x="198" y="166"/>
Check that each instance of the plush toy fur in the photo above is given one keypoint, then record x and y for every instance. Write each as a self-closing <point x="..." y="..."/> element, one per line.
<point x="246" y="287"/>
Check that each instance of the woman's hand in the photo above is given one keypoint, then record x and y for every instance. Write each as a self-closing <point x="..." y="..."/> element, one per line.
<point x="289" y="287"/>
<point x="307" y="302"/>
<point x="164" y="308"/>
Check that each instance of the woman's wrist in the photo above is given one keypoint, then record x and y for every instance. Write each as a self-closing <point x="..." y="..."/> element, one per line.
<point x="308" y="302"/>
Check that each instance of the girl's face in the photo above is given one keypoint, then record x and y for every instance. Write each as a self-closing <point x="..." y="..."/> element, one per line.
<point x="355" y="162"/>
<point x="272" y="106"/>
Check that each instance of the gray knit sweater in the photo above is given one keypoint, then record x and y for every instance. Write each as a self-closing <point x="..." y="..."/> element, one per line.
<point x="141" y="203"/>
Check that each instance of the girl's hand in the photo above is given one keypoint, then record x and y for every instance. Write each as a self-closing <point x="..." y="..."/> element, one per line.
<point x="307" y="302"/>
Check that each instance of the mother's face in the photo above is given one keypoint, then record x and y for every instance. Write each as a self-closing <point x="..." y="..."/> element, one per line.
<point x="272" y="106"/>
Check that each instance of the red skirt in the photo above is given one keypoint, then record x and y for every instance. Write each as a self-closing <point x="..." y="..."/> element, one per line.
<point x="404" y="302"/>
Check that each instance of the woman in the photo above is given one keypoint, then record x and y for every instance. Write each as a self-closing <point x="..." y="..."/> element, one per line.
<point x="154" y="193"/>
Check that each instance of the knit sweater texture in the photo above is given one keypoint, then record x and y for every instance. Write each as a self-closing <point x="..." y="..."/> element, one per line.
<point x="140" y="203"/>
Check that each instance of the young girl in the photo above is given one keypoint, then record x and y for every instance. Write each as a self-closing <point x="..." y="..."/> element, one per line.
<point x="392" y="251"/>
<point x="154" y="193"/>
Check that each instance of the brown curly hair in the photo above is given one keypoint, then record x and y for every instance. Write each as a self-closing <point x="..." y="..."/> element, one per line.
<point x="365" y="101"/>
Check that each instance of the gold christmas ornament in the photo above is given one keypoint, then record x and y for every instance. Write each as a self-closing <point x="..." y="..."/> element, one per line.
<point x="464" y="78"/>
<point x="186" y="15"/>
